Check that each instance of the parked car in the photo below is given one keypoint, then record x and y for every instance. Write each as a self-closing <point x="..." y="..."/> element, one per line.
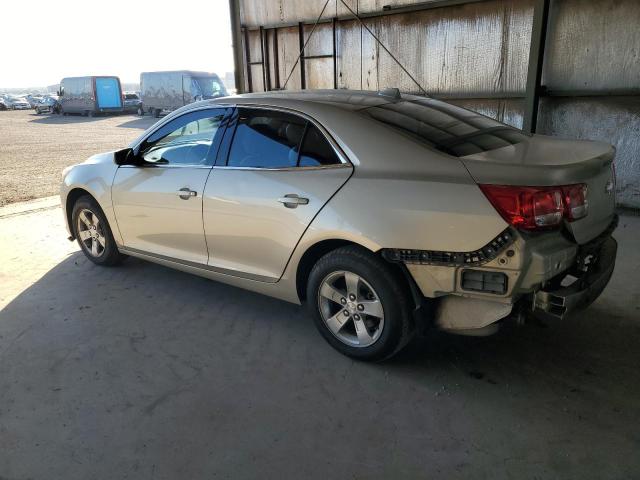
<point x="379" y="211"/>
<point x="163" y="92"/>
<point x="90" y="95"/>
<point x="18" y="104"/>
<point x="132" y="103"/>
<point x="48" y="104"/>
<point x="33" y="100"/>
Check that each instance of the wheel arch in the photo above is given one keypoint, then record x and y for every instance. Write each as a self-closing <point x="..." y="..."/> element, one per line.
<point x="309" y="259"/>
<point x="72" y="197"/>
<point x="321" y="248"/>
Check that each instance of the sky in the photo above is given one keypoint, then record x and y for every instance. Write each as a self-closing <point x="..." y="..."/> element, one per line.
<point x="44" y="41"/>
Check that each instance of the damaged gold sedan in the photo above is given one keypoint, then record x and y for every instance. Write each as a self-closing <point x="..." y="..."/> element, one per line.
<point x="366" y="206"/>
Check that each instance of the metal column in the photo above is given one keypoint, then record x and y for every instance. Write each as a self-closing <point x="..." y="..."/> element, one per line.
<point x="236" y="41"/>
<point x="536" y="60"/>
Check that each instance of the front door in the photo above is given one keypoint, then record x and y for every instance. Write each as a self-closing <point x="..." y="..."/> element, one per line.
<point x="158" y="205"/>
<point x="279" y="172"/>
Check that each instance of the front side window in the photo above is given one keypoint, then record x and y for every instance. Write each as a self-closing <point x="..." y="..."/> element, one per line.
<point x="266" y="139"/>
<point x="186" y="140"/>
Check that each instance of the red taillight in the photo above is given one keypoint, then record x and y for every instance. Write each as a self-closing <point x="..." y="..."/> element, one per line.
<point x="538" y="208"/>
<point x="575" y="201"/>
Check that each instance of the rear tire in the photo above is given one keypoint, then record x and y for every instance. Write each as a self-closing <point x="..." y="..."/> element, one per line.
<point x="360" y="304"/>
<point x="93" y="233"/>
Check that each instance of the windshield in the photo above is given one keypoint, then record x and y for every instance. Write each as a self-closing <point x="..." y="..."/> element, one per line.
<point x="210" y="87"/>
<point x="130" y="96"/>
<point x="453" y="130"/>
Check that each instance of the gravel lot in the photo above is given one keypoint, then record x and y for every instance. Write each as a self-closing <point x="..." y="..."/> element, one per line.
<point x="35" y="148"/>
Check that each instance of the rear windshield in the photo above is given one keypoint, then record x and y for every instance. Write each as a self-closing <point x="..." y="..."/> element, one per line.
<point x="450" y="129"/>
<point x="130" y="96"/>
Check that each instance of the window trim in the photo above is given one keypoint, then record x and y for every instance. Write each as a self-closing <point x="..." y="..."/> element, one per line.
<point x="344" y="162"/>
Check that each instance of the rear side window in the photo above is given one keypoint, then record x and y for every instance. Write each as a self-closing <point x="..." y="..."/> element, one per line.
<point x="316" y="150"/>
<point x="266" y="139"/>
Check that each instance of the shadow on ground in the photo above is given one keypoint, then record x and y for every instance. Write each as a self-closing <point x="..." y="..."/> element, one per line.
<point x="60" y="119"/>
<point x="143" y="371"/>
<point x="141" y="122"/>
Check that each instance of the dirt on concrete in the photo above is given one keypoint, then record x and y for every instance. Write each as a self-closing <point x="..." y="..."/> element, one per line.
<point x="142" y="372"/>
<point x="35" y="148"/>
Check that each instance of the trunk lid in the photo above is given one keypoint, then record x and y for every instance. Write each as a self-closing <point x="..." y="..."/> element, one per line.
<point x="548" y="161"/>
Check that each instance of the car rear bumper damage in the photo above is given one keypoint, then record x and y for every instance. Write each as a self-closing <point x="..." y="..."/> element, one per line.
<point x="548" y="276"/>
<point x="561" y="301"/>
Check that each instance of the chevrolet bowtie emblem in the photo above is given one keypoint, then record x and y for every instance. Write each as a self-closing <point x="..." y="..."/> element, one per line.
<point x="608" y="188"/>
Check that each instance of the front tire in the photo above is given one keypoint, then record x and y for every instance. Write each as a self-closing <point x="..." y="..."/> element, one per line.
<point x="360" y="304"/>
<point x="93" y="233"/>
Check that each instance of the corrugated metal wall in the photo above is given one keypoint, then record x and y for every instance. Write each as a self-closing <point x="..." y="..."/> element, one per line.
<point x="474" y="54"/>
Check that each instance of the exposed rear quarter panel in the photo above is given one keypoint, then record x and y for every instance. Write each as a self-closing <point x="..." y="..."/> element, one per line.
<point x="414" y="214"/>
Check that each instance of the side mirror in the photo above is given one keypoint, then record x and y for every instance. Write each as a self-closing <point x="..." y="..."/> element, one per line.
<point x="125" y="156"/>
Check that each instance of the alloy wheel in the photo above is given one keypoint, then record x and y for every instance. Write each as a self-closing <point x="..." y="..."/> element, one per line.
<point x="351" y="309"/>
<point x="91" y="233"/>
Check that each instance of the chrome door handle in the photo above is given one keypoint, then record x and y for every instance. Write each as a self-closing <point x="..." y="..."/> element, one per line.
<point x="292" y="200"/>
<point x="186" y="194"/>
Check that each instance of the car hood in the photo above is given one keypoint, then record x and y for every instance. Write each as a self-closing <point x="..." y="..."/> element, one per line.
<point x="106" y="157"/>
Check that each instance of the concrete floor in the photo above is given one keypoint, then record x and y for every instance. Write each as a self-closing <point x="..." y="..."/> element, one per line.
<point x="147" y="373"/>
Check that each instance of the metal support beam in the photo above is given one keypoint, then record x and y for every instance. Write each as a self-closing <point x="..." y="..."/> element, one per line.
<point x="536" y="60"/>
<point x="247" y="51"/>
<point x="303" y="79"/>
<point x="334" y="27"/>
<point x="266" y="73"/>
<point x="418" y="7"/>
<point x="276" y="59"/>
<point x="236" y="44"/>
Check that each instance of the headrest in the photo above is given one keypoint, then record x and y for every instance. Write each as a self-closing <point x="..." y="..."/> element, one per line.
<point x="294" y="133"/>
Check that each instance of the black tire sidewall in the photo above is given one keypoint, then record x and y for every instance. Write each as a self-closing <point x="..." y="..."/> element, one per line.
<point x="388" y="286"/>
<point x="111" y="255"/>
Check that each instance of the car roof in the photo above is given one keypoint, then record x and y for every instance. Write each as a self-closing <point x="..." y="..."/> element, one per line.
<point x="367" y="143"/>
<point x="351" y="100"/>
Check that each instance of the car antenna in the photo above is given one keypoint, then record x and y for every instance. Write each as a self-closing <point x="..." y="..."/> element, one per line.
<point x="384" y="92"/>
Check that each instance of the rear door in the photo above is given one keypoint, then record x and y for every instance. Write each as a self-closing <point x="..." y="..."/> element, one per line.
<point x="275" y="171"/>
<point x="108" y="92"/>
<point x="158" y="205"/>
